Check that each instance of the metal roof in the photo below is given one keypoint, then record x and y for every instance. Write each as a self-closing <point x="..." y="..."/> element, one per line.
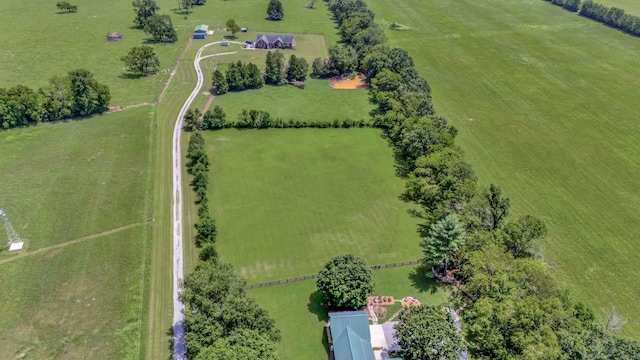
<point x="201" y="27"/>
<point x="271" y="38"/>
<point x="351" y="336"/>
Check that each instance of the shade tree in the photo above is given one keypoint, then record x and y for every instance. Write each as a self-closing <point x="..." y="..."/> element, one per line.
<point x="345" y="282"/>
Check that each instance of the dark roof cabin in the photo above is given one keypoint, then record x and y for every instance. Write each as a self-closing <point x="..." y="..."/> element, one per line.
<point x="275" y="41"/>
<point x="114" y="36"/>
<point x="200" y="32"/>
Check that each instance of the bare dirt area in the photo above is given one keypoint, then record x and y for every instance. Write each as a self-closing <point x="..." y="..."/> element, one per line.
<point x="348" y="83"/>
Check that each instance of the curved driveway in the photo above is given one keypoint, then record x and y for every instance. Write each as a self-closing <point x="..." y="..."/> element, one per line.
<point x="179" y="343"/>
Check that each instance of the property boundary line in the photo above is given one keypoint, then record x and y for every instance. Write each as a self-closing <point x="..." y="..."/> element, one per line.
<point x="313" y="276"/>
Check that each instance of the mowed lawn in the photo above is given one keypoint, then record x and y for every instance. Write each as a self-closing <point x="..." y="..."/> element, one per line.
<point x="546" y="104"/>
<point x="39" y="43"/>
<point x="68" y="180"/>
<point x="629" y="6"/>
<point x="286" y="201"/>
<point x="299" y="314"/>
<point x="83" y="301"/>
<point x="85" y="181"/>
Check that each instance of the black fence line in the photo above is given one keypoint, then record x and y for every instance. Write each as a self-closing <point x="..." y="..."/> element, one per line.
<point x="313" y="276"/>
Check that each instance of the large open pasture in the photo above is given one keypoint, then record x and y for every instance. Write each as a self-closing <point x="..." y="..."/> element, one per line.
<point x="286" y="201"/>
<point x="77" y="193"/>
<point x="546" y="104"/>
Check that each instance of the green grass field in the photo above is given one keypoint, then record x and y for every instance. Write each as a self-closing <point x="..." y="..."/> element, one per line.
<point x="76" y="193"/>
<point x="286" y="201"/>
<point x="629" y="6"/>
<point x="300" y="316"/>
<point x="546" y="105"/>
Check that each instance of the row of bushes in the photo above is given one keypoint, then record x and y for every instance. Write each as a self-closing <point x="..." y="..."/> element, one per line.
<point x="260" y="119"/>
<point x="77" y="94"/>
<point x="492" y="262"/>
<point x="221" y="321"/>
<point x="612" y="16"/>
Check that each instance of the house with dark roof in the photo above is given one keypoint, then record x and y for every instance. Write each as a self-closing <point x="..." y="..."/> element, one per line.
<point x="200" y="32"/>
<point x="349" y="336"/>
<point x="275" y="41"/>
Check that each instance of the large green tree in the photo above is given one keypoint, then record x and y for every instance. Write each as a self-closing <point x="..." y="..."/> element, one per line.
<point x="161" y="29"/>
<point x="428" y="333"/>
<point x="275" y="10"/>
<point x="89" y="95"/>
<point x="522" y="233"/>
<point x="297" y="69"/>
<point x="141" y="60"/>
<point x="241" y="345"/>
<point x="220" y="82"/>
<point x="216" y="307"/>
<point x="274" y="73"/>
<point x="187" y="4"/>
<point x="144" y="9"/>
<point x="233" y="27"/>
<point x="445" y="238"/>
<point x="345" y="282"/>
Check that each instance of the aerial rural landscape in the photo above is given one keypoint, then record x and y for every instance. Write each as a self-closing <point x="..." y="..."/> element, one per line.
<point x="232" y="179"/>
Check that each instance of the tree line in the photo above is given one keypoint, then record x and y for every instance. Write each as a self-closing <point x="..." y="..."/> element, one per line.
<point x="76" y="94"/>
<point x="612" y="16"/>
<point x="240" y="76"/>
<point x="468" y="237"/>
<point x="220" y="321"/>
<point x="259" y="119"/>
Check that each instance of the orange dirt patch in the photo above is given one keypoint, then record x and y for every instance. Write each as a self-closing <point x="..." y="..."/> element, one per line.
<point x="410" y="301"/>
<point x="380" y="300"/>
<point x="356" y="83"/>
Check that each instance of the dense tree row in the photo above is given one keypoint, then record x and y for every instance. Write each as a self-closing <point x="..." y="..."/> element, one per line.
<point x="512" y="307"/>
<point x="220" y="321"/>
<point x="76" y="94"/>
<point x="614" y="17"/>
<point x="240" y="76"/>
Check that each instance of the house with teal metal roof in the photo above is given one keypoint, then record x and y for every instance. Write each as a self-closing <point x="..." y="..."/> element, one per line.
<point x="349" y="336"/>
<point x="200" y="32"/>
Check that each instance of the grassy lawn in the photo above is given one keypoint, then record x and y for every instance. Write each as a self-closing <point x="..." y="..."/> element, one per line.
<point x="83" y="301"/>
<point x="67" y="180"/>
<point x="546" y="105"/>
<point x="63" y="182"/>
<point x="629" y="6"/>
<point x="79" y="41"/>
<point x="299" y="315"/>
<point x="316" y="102"/>
<point x="286" y="201"/>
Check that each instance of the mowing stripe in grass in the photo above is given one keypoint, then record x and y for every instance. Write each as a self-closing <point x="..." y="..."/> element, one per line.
<point x="71" y="242"/>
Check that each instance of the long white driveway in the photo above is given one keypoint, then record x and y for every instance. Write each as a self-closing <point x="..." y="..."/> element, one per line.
<point x="179" y="343"/>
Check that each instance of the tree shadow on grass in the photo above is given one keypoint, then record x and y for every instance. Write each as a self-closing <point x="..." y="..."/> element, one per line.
<point x="315" y="307"/>
<point x="421" y="281"/>
<point x="130" y="76"/>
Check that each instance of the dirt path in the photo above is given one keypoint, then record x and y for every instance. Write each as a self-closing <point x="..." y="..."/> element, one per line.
<point x="179" y="342"/>
<point x="70" y="242"/>
<point x="113" y="109"/>
<point x="173" y="72"/>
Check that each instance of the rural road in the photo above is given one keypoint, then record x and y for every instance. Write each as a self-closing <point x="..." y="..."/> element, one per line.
<point x="179" y="342"/>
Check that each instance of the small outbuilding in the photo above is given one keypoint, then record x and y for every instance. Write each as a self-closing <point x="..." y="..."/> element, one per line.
<point x="114" y="36"/>
<point x="200" y="32"/>
<point x="275" y="41"/>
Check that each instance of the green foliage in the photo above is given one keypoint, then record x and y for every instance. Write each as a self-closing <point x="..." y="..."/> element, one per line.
<point x="66" y="6"/>
<point x="141" y="60"/>
<point x="220" y="82"/>
<point x="274" y="72"/>
<point x="446" y="237"/>
<point x="297" y="69"/>
<point x="233" y="27"/>
<point x="614" y="17"/>
<point x="275" y="10"/>
<point x="521" y="234"/>
<point x="206" y="231"/>
<point x="193" y="119"/>
<point x="216" y="119"/>
<point x="217" y="307"/>
<point x="428" y="333"/>
<point x="187" y="4"/>
<point x="345" y="282"/>
<point x="241" y="345"/>
<point x="242" y="76"/>
<point x="208" y="252"/>
<point x="341" y="60"/>
<point x="144" y="9"/>
<point x="161" y="28"/>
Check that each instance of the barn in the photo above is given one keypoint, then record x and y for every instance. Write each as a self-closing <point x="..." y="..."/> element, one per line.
<point x="200" y="32"/>
<point x="275" y="41"/>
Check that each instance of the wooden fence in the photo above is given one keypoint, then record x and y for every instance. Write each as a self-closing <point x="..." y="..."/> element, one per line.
<point x="313" y="276"/>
